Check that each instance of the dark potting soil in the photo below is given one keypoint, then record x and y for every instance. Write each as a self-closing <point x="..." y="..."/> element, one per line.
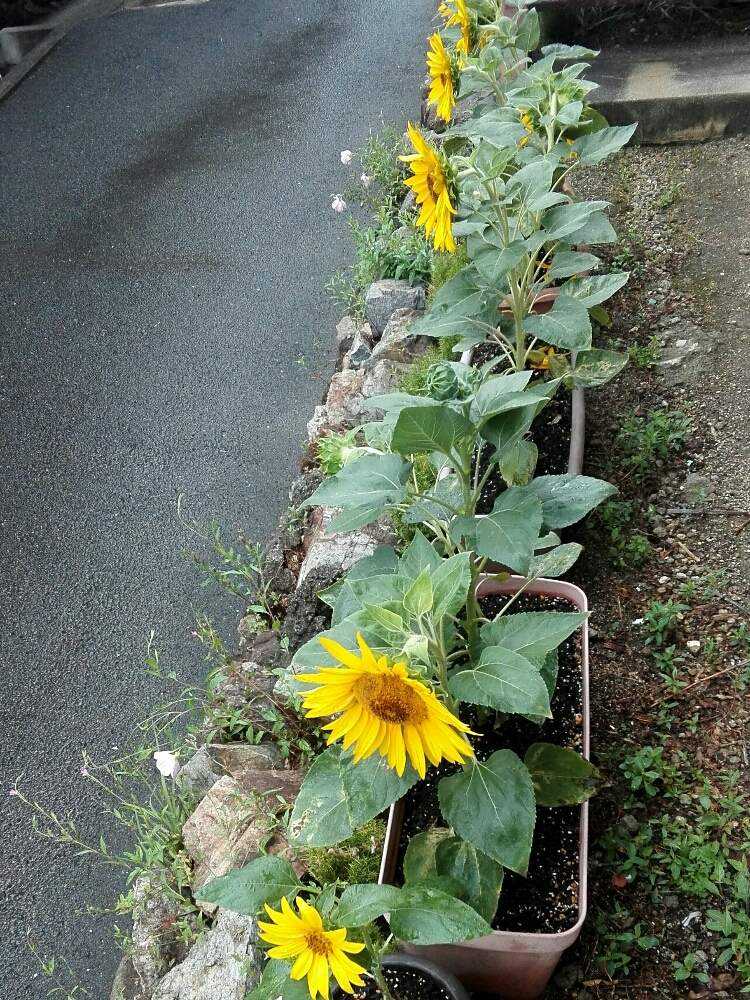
<point x="546" y="900"/>
<point x="404" y="984"/>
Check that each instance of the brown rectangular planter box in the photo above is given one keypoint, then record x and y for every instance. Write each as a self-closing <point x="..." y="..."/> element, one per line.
<point x="512" y="965"/>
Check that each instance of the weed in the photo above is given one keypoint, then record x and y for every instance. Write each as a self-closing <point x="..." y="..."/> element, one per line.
<point x="446" y="266"/>
<point x="379" y="158"/>
<point x="646" y="769"/>
<point x="690" y="968"/>
<point x="388" y="249"/>
<point x="646" y="441"/>
<point x="668" y="664"/>
<point x="628" y="547"/>
<point x="672" y="194"/>
<point x="661" y="620"/>
<point x="330" y="450"/>
<point x="621" y="938"/>
<point x="645" y="355"/>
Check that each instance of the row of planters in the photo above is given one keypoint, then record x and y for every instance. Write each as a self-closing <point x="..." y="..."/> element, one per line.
<point x="451" y="687"/>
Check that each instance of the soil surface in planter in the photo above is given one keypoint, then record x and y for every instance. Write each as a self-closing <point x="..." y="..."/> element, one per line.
<point x="546" y="901"/>
<point x="404" y="984"/>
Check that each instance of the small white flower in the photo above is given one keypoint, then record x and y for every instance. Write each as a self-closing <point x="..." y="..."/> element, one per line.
<point x="346" y="157"/>
<point x="338" y="204"/>
<point x="13" y="791"/>
<point x="167" y="763"/>
<point x="366" y="180"/>
<point x="84" y="772"/>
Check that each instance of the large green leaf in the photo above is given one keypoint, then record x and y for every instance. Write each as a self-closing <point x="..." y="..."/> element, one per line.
<point x="493" y="127"/>
<point x="561" y="776"/>
<point x="599" y="145"/>
<point x="567" y="263"/>
<point x="503" y="680"/>
<point x="418" y="555"/>
<point x="311" y="655"/>
<point x="373" y="479"/>
<point x="419" y="858"/>
<point x="596" y="367"/>
<point x="450" y="584"/>
<point x="456" y="290"/>
<point x="423" y="915"/>
<point x="555" y="562"/>
<point x="435" y="427"/>
<point x="492" y="805"/>
<point x="566" y="325"/>
<point x="338" y="796"/>
<point x="597" y="229"/>
<point x="361" y="904"/>
<point x="563" y="220"/>
<point x="533" y="634"/>
<point x="471" y="315"/>
<point x="509" y="533"/>
<point x="418" y="599"/>
<point x="594" y="289"/>
<point x="566" y="499"/>
<point x="264" y="880"/>
<point x="499" y="394"/>
<point x="431" y="505"/>
<point x="354" y="517"/>
<point x="493" y="263"/>
<point x="479" y="877"/>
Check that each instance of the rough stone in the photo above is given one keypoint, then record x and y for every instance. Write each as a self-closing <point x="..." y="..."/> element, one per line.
<point x="327" y="558"/>
<point x="126" y="985"/>
<point x="304" y="487"/>
<point x="384" y="297"/>
<point x="247" y="681"/>
<point x="236" y="758"/>
<point x="224" y="963"/>
<point x="155" y="946"/>
<point x="348" y="329"/>
<point x="198" y="774"/>
<point x="234" y="821"/>
<point x="358" y="353"/>
<point x="343" y="407"/>
<point x="278" y="576"/>
<point x="382" y="377"/>
<point x="696" y="488"/>
<point x="397" y="344"/>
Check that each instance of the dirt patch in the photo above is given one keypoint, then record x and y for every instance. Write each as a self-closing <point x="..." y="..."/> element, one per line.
<point x="658" y="22"/>
<point x="670" y="657"/>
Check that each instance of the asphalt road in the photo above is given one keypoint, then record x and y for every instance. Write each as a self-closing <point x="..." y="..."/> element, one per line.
<point x="165" y="230"/>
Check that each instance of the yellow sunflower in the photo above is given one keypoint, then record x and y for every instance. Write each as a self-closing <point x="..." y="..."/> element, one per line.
<point x="382" y="710"/>
<point x="316" y="951"/>
<point x="528" y="123"/>
<point x="457" y="14"/>
<point x="431" y="189"/>
<point x="441" y="76"/>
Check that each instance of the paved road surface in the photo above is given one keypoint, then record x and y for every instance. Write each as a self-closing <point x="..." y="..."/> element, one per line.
<point x="165" y="180"/>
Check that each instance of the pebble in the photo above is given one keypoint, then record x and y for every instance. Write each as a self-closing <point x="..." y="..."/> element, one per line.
<point x="693" y="646"/>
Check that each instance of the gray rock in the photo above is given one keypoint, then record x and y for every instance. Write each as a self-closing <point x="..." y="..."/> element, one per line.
<point x="236" y="758"/>
<point x="279" y="577"/>
<point x="344" y="406"/>
<point x="304" y="487"/>
<point x="126" y="985"/>
<point x="291" y="525"/>
<point x="397" y="344"/>
<point x="247" y="680"/>
<point x="358" y="354"/>
<point x="348" y="329"/>
<point x="225" y="962"/>
<point x="339" y="552"/>
<point x="155" y="945"/>
<point x="696" y="489"/>
<point x="198" y="775"/>
<point x="382" y="377"/>
<point x="234" y="821"/>
<point x="306" y="615"/>
<point x="384" y="297"/>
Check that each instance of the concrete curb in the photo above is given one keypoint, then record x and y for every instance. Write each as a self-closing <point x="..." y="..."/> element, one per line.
<point x="24" y="54"/>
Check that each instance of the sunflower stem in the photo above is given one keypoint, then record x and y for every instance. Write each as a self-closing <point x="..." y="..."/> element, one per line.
<point x="376" y="966"/>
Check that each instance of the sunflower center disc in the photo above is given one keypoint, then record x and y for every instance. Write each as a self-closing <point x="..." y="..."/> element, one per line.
<point x="392" y="700"/>
<point x="318" y="943"/>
